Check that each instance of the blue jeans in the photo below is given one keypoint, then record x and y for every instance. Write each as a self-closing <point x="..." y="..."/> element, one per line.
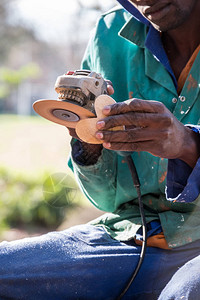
<point x="83" y="262"/>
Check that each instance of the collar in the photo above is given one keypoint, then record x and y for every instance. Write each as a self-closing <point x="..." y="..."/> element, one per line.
<point x="144" y="35"/>
<point x="133" y="11"/>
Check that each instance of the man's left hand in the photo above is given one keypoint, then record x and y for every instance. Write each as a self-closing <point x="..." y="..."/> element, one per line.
<point x="149" y="126"/>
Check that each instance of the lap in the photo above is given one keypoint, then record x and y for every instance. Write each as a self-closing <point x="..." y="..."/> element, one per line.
<point x="185" y="283"/>
<point x="84" y="262"/>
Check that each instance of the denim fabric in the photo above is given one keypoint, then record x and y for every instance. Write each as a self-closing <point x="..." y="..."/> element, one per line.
<point x="182" y="181"/>
<point x="84" y="262"/>
<point x="185" y="284"/>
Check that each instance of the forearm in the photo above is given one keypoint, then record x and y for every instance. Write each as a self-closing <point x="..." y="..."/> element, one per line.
<point x="98" y="180"/>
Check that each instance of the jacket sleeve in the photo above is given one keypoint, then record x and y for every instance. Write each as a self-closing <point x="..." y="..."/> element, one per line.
<point x="183" y="184"/>
<point x="98" y="181"/>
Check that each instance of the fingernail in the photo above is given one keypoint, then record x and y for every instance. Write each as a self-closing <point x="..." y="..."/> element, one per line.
<point x="106" y="109"/>
<point x="99" y="135"/>
<point x="107" y="145"/>
<point x="110" y="89"/>
<point x="100" y="124"/>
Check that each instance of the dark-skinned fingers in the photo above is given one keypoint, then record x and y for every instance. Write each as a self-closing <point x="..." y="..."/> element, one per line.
<point x="137" y="105"/>
<point x="127" y="136"/>
<point x="137" y="146"/>
<point x="72" y="133"/>
<point x="136" y="119"/>
<point x="114" y="121"/>
<point x="148" y="146"/>
<point x="110" y="89"/>
<point x="109" y="82"/>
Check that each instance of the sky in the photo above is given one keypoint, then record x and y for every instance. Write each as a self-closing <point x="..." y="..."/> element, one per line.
<point x="50" y="17"/>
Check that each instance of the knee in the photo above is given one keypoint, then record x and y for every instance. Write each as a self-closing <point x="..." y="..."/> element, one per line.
<point x="185" y="284"/>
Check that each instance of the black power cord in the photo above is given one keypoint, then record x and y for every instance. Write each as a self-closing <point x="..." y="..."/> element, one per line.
<point x="136" y="184"/>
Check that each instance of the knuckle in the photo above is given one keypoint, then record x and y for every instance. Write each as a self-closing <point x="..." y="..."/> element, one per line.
<point x="128" y="118"/>
<point x="171" y="120"/>
<point x="120" y="146"/>
<point x="113" y="121"/>
<point x="116" y="108"/>
<point x="136" y="104"/>
<point x="109" y="137"/>
<point x="160" y="106"/>
<point x="165" y="134"/>
<point x="134" y="146"/>
<point x="167" y="120"/>
<point x="109" y="82"/>
<point x="131" y="135"/>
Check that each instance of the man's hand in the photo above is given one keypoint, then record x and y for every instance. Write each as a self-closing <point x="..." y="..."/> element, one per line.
<point x="110" y="91"/>
<point x="149" y="126"/>
<point x="91" y="152"/>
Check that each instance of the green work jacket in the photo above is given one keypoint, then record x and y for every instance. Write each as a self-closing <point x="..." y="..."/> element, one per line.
<point x="117" y="51"/>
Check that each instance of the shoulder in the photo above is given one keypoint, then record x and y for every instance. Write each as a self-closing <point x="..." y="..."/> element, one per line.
<point x="114" y="19"/>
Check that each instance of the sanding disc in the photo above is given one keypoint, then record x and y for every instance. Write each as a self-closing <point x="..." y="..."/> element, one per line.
<point x="61" y="112"/>
<point x="86" y="129"/>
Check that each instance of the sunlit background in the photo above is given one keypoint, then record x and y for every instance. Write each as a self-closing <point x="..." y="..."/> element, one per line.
<point x="40" y="40"/>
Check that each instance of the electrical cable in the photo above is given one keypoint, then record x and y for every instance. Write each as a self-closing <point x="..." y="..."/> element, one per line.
<point x="65" y="113"/>
<point x="136" y="184"/>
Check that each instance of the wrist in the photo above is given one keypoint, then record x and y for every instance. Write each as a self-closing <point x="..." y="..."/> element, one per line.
<point x="86" y="154"/>
<point x="91" y="152"/>
<point x="191" y="149"/>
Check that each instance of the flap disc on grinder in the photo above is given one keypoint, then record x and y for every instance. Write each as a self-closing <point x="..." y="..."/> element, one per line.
<point x="61" y="112"/>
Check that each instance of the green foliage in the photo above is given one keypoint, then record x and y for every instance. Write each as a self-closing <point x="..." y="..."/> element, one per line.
<point x="24" y="201"/>
<point x="15" y="77"/>
<point x="10" y="78"/>
<point x="4" y="90"/>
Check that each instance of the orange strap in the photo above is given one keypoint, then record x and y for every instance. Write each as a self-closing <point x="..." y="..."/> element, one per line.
<point x="186" y="70"/>
<point x="157" y="240"/>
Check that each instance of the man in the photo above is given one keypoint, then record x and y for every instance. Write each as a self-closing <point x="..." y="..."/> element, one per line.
<point x="151" y="56"/>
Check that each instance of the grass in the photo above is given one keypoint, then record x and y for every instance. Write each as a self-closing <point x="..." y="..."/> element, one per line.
<point x="36" y="185"/>
<point x="32" y="145"/>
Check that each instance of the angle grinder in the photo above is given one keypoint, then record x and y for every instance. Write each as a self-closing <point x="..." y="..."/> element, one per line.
<point x="82" y="94"/>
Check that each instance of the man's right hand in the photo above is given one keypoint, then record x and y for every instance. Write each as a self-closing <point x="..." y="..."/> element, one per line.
<point x="91" y="152"/>
<point x="110" y="91"/>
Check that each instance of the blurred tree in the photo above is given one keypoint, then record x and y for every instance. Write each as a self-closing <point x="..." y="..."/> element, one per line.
<point x="22" y="57"/>
<point x="21" y="44"/>
<point x="11" y="34"/>
<point x="84" y="20"/>
<point x="11" y="79"/>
